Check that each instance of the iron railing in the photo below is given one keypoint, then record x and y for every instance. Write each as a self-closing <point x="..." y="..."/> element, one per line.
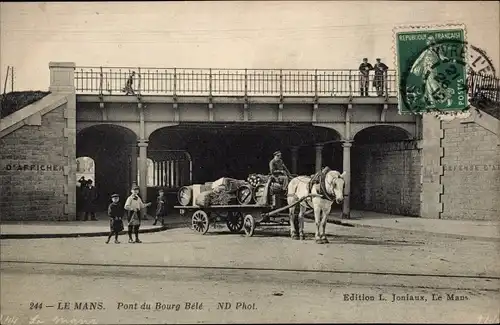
<point x="485" y="86"/>
<point x="484" y="93"/>
<point x="228" y="82"/>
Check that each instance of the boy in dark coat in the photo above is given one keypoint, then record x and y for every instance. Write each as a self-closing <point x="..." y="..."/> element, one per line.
<point x="161" y="209"/>
<point x="115" y="213"/>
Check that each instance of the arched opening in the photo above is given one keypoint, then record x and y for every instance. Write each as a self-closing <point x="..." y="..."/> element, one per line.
<point x="385" y="171"/>
<point x="85" y="169"/>
<point x="237" y="150"/>
<point x="111" y="147"/>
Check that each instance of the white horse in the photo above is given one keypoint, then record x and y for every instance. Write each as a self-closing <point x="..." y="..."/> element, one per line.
<point x="298" y="188"/>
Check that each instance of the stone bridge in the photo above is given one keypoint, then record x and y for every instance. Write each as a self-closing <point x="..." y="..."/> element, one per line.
<point x="148" y="104"/>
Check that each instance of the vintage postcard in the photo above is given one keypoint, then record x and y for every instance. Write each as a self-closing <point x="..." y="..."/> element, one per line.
<point x="249" y="162"/>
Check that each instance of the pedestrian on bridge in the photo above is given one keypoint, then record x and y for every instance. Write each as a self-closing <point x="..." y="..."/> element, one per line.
<point x="128" y="90"/>
<point x="380" y="77"/>
<point x="364" y="76"/>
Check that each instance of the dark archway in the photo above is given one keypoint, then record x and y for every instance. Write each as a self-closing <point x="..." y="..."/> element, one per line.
<point x="385" y="173"/>
<point x="239" y="149"/>
<point x="110" y="146"/>
<point x="381" y="134"/>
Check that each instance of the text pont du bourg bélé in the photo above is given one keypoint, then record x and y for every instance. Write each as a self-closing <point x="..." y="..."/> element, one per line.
<point x="156" y="306"/>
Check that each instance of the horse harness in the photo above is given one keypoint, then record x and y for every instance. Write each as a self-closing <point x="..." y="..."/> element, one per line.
<point x="322" y="190"/>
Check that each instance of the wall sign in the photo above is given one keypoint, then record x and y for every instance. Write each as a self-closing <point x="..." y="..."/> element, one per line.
<point x="33" y="167"/>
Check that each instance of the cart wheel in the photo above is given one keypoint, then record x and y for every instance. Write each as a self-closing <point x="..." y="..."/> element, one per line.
<point x="235" y="221"/>
<point x="185" y="195"/>
<point x="200" y="221"/>
<point x="249" y="225"/>
<point x="244" y="194"/>
<point x="258" y="194"/>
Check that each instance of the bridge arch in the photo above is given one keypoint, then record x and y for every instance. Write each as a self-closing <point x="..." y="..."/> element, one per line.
<point x="238" y="149"/>
<point x="338" y="128"/>
<point x="112" y="147"/>
<point x="382" y="132"/>
<point x="126" y="128"/>
<point x="385" y="171"/>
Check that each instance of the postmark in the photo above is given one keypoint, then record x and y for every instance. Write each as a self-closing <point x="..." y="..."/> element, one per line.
<point x="432" y="70"/>
<point x="479" y="61"/>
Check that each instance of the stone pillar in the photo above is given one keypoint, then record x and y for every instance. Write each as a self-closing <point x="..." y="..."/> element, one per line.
<point x="346" y="208"/>
<point x="319" y="158"/>
<point x="295" y="157"/>
<point x="133" y="165"/>
<point x="432" y="170"/>
<point x="143" y="168"/>
<point x="62" y="82"/>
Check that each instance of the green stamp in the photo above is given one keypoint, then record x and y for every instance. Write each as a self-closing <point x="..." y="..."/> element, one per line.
<point x="432" y="71"/>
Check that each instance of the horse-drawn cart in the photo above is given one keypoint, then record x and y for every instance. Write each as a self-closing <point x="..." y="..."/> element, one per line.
<point x="261" y="206"/>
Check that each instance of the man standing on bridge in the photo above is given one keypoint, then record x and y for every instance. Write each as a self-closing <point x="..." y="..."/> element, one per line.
<point x="380" y="77"/>
<point x="364" y="76"/>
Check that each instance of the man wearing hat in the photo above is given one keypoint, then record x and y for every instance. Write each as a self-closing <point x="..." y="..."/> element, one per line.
<point x="380" y="75"/>
<point x="278" y="169"/>
<point x="89" y="199"/>
<point x="364" y="76"/>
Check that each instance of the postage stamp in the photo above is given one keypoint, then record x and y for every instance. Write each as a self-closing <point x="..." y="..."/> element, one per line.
<point x="432" y="69"/>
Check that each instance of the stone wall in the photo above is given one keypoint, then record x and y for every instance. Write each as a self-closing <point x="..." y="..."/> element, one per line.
<point x="386" y="178"/>
<point x="471" y="172"/>
<point x="32" y="174"/>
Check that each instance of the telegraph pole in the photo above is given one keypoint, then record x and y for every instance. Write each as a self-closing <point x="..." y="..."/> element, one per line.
<point x="6" y="78"/>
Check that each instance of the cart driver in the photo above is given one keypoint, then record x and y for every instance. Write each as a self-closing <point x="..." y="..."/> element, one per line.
<point x="278" y="169"/>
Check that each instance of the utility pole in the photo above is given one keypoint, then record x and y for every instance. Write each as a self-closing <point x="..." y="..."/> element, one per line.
<point x="6" y="78"/>
<point x="12" y="78"/>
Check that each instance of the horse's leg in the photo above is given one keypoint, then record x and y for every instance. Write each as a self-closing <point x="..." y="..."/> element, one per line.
<point x="301" y="222"/>
<point x="317" y="220"/>
<point x="293" y="230"/>
<point x="324" y="219"/>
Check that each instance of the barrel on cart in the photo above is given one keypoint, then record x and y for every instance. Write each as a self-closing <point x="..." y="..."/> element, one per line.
<point x="261" y="205"/>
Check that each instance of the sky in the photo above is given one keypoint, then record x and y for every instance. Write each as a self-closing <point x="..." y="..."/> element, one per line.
<point x="223" y="34"/>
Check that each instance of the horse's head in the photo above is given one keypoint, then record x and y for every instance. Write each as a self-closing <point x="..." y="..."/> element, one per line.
<point x="335" y="185"/>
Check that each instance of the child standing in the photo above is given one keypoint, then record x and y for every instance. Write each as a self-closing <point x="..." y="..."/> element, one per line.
<point x="115" y="213"/>
<point x="134" y="207"/>
<point x="161" y="211"/>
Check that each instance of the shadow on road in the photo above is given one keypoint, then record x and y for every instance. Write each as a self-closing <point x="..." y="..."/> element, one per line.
<point x="338" y="239"/>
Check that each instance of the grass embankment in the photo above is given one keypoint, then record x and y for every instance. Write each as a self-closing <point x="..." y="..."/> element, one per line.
<point x="14" y="101"/>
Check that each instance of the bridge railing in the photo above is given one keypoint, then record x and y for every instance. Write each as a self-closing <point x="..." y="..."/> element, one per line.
<point x="485" y="86"/>
<point x="484" y="93"/>
<point x="228" y="82"/>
